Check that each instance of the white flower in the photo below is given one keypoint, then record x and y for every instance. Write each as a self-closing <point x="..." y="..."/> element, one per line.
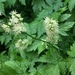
<point x="47" y="20"/>
<point x="21" y="19"/>
<point x="18" y="15"/>
<point x="9" y="23"/>
<point x="13" y="13"/>
<point x="52" y="30"/>
<point x="15" y="24"/>
<point x="14" y="20"/>
<point x="20" y="44"/>
<point x="6" y="28"/>
<point x="18" y="28"/>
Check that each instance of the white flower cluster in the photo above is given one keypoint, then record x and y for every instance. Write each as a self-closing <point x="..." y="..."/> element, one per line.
<point x="6" y="28"/>
<point x="15" y="24"/>
<point x="52" y="30"/>
<point x="20" y="44"/>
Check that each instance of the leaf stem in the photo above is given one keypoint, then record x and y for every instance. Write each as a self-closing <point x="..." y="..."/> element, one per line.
<point x="50" y="45"/>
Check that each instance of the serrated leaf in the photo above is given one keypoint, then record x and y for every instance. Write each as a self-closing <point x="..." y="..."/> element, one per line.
<point x="27" y="28"/>
<point x="52" y="70"/>
<point x="72" y="68"/>
<point x="22" y="53"/>
<point x="57" y="4"/>
<point x="14" y="65"/>
<point x="38" y="5"/>
<point x="7" y="39"/>
<point x="43" y="59"/>
<point x="10" y="2"/>
<point x="63" y="33"/>
<point x="2" y="8"/>
<point x="71" y="4"/>
<point x="2" y="39"/>
<point x="66" y="1"/>
<point x="41" y="28"/>
<point x="64" y="17"/>
<point x="22" y="2"/>
<point x="44" y="13"/>
<point x="49" y="2"/>
<point x="65" y="27"/>
<point x="12" y="52"/>
<point x="33" y="27"/>
<point x="71" y="53"/>
<point x="41" y="47"/>
<point x="62" y="67"/>
<point x="5" y="70"/>
<point x="34" y="46"/>
<point x="55" y="15"/>
<point x="61" y="10"/>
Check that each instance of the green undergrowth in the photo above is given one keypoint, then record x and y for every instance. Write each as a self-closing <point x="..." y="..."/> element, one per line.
<point x="37" y="37"/>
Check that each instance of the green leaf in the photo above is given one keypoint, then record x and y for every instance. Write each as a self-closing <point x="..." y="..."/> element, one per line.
<point x="27" y="28"/>
<point x="55" y="15"/>
<point x="43" y="59"/>
<point x="65" y="27"/>
<point x="55" y="69"/>
<point x="62" y="67"/>
<point x="33" y="27"/>
<point x="22" y="2"/>
<point x="64" y="17"/>
<point x="71" y="4"/>
<point x="2" y="39"/>
<point x="10" y="2"/>
<point x="41" y="47"/>
<point x="14" y="65"/>
<point x="66" y="1"/>
<point x="57" y="4"/>
<point x="63" y="33"/>
<point x="5" y="70"/>
<point x="2" y="0"/>
<point x="5" y="39"/>
<point x="72" y="67"/>
<point x="71" y="53"/>
<point x="44" y="13"/>
<point x="12" y="52"/>
<point x="63" y="9"/>
<point x="38" y="5"/>
<point x="52" y="70"/>
<point x="41" y="28"/>
<point x="2" y="8"/>
<point x="22" y="53"/>
<point x="34" y="46"/>
<point x="49" y="2"/>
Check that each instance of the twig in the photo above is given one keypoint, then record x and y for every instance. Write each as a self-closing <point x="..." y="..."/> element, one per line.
<point x="50" y="45"/>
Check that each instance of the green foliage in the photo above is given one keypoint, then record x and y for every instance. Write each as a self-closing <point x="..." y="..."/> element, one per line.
<point x="2" y="7"/>
<point x="65" y="27"/>
<point x="64" y="17"/>
<point x="71" y="4"/>
<point x="22" y="2"/>
<point x="23" y="33"/>
<point x="5" y="39"/>
<point x="71" y="60"/>
<point x="10" y="3"/>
